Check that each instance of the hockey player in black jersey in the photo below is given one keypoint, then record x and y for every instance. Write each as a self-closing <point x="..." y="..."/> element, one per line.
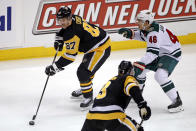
<point x="77" y="35"/>
<point x="108" y="110"/>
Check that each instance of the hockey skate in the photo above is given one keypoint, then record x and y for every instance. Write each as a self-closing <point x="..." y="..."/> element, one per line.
<point x="77" y="94"/>
<point x="176" y="106"/>
<point x="86" y="103"/>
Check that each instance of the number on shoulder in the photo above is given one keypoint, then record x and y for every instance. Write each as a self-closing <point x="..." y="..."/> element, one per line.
<point x="94" y="31"/>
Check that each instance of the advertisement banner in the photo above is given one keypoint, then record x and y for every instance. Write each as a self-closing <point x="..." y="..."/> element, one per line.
<point x="7" y="31"/>
<point x="112" y="14"/>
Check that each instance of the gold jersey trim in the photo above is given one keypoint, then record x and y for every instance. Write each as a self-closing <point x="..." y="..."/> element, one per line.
<point x="106" y="116"/>
<point x="72" y="45"/>
<point x="102" y="47"/>
<point x="69" y="57"/>
<point x="128" y="123"/>
<point x="129" y="83"/>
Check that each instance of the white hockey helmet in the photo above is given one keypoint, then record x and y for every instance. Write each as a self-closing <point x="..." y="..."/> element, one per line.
<point x="145" y="15"/>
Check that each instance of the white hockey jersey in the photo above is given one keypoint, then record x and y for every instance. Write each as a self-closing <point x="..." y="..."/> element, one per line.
<point x="160" y="41"/>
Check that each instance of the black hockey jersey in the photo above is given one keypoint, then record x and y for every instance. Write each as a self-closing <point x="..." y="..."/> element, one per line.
<point x="114" y="98"/>
<point x="81" y="36"/>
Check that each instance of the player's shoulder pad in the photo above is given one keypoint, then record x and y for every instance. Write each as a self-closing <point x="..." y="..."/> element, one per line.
<point x="77" y="19"/>
<point x="131" y="79"/>
<point x="66" y="34"/>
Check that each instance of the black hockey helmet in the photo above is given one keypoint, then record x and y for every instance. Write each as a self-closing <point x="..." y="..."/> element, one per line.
<point x="63" y="12"/>
<point x="124" y="68"/>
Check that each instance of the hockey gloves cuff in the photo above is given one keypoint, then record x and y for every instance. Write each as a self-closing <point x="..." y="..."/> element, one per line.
<point x="145" y="111"/>
<point x="140" y="128"/>
<point x="52" y="69"/>
<point x="128" y="33"/>
<point x="58" y="45"/>
<point x="138" y="68"/>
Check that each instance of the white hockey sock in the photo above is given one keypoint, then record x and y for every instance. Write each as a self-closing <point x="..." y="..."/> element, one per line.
<point x="172" y="94"/>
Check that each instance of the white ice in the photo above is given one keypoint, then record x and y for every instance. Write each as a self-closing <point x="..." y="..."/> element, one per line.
<point x="22" y="82"/>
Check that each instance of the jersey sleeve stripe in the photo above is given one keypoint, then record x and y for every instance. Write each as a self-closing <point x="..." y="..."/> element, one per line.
<point x="142" y="67"/>
<point x="128" y="87"/>
<point x="178" y="54"/>
<point x="69" y="56"/>
<point x="99" y="43"/>
<point x="177" y="50"/>
<point x="153" y="50"/>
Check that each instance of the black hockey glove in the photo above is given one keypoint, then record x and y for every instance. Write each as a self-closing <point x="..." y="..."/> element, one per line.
<point x="138" y="68"/>
<point x="128" y="33"/>
<point x="145" y="111"/>
<point x="58" y="45"/>
<point x="52" y="69"/>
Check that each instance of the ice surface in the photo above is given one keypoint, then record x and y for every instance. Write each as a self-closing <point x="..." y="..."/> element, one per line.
<point x="22" y="82"/>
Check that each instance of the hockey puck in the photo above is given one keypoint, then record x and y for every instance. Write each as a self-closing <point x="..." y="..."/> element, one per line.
<point x="31" y="123"/>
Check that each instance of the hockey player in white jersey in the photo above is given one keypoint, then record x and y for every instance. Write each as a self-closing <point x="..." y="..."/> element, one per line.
<point x="162" y="55"/>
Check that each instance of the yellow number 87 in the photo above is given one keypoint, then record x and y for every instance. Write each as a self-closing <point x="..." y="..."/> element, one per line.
<point x="103" y="92"/>
<point x="93" y="31"/>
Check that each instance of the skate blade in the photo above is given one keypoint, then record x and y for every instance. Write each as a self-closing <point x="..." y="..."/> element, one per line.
<point x="85" y="108"/>
<point x="177" y="109"/>
<point x="77" y="98"/>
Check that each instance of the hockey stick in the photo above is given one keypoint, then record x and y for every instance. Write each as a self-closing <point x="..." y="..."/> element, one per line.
<point x="139" y="125"/>
<point x="34" y="116"/>
<point x="141" y="122"/>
